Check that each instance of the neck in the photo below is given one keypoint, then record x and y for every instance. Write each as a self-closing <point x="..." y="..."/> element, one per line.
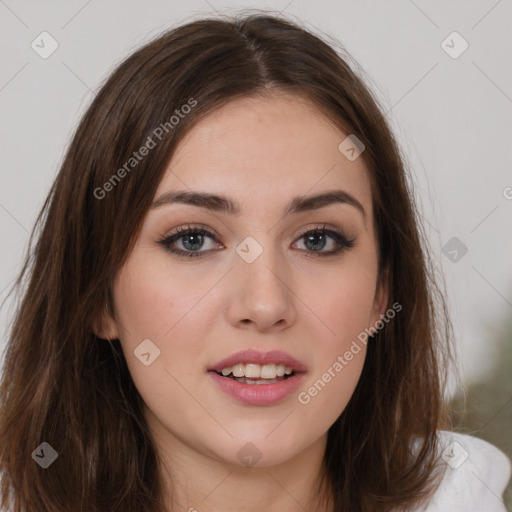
<point x="194" y="481"/>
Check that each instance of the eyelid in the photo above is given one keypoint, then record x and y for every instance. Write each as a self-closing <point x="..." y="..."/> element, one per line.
<point x="194" y="227"/>
<point x="316" y="227"/>
<point x="343" y="241"/>
<point x="180" y="231"/>
<point x="322" y="226"/>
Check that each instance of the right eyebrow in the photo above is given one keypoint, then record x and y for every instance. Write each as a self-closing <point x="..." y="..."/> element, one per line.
<point x="212" y="202"/>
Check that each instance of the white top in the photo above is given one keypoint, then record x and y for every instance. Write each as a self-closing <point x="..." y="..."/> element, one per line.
<point x="476" y="476"/>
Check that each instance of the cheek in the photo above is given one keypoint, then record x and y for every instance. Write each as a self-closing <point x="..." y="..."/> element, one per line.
<point x="168" y="308"/>
<point x="345" y="305"/>
<point x="152" y="301"/>
<point x="330" y="388"/>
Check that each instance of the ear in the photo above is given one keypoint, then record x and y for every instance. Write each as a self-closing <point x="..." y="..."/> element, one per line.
<point x="104" y="326"/>
<point x="381" y="298"/>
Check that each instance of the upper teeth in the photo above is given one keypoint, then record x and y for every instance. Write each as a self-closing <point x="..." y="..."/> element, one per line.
<point x="256" y="371"/>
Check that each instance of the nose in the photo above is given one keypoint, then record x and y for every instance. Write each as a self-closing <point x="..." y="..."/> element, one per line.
<point x="261" y="296"/>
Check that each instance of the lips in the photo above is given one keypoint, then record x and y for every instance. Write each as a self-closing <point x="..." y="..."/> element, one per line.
<point x="288" y="374"/>
<point x="276" y="357"/>
<point x="257" y="394"/>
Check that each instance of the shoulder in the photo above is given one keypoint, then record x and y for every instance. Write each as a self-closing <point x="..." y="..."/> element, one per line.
<point x="476" y="474"/>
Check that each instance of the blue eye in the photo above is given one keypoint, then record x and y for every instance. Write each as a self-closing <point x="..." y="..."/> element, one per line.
<point x="192" y="241"/>
<point x="317" y="239"/>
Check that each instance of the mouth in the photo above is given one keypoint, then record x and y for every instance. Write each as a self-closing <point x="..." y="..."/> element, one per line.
<point x="255" y="374"/>
<point x="258" y="378"/>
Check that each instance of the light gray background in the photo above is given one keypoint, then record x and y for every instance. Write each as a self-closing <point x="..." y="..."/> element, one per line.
<point x="452" y="117"/>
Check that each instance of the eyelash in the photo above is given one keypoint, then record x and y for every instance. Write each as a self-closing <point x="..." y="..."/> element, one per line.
<point x="337" y="236"/>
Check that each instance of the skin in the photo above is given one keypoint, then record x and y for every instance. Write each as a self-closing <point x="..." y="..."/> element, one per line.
<point x="261" y="152"/>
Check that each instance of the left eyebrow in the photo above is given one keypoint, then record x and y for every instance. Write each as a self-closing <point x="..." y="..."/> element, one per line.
<point x="306" y="203"/>
<point x="225" y="204"/>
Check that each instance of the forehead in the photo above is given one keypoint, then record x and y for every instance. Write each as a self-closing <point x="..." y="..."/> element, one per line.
<point x="263" y="150"/>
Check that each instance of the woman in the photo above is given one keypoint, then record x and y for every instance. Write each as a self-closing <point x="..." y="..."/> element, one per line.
<point x="229" y="304"/>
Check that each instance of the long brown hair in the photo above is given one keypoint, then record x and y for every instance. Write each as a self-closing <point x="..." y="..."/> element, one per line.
<point x="64" y="386"/>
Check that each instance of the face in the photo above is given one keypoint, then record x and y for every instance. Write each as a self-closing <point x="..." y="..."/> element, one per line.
<point x="293" y="283"/>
